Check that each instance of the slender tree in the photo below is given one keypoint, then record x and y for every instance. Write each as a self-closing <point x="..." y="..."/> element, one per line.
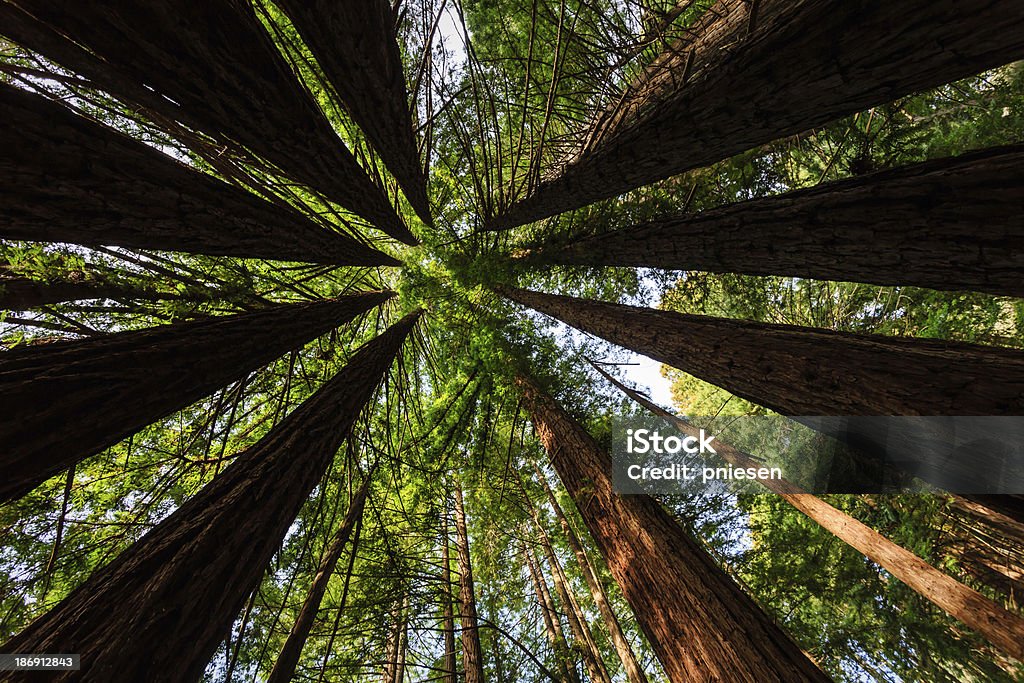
<point x="450" y="670"/>
<point x="630" y="665"/>
<point x="822" y="60"/>
<point x="355" y="43"/>
<point x="806" y="371"/>
<point x="159" y="610"/>
<point x="700" y="624"/>
<point x="72" y="399"/>
<point x="472" y="654"/>
<point x="398" y="640"/>
<point x="212" y="67"/>
<point x="946" y="224"/>
<point x="288" y="659"/>
<point x="65" y="178"/>
<point x="1000" y="627"/>
<point x="552" y="622"/>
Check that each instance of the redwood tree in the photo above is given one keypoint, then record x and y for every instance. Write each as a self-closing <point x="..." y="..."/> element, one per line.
<point x="472" y="654"/>
<point x="178" y="588"/>
<point x="76" y="398"/>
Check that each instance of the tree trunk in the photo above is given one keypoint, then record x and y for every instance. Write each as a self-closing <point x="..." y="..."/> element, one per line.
<point x="212" y="67"/>
<point x="630" y="665"/>
<point x="64" y="178"/>
<point x="284" y="667"/>
<point x="948" y="224"/>
<point x="160" y="609"/>
<point x="806" y="371"/>
<point x="700" y="624"/>
<point x="1001" y="628"/>
<point x="354" y="41"/>
<point x="451" y="671"/>
<point x="552" y="622"/>
<point x="1008" y="505"/>
<point x="797" y="65"/>
<point x="394" y="666"/>
<point x="70" y="400"/>
<point x="581" y="632"/>
<point x="23" y="294"/>
<point x="472" y="653"/>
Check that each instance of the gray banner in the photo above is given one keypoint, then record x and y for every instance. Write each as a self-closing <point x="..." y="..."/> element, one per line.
<point x="44" y="662"/>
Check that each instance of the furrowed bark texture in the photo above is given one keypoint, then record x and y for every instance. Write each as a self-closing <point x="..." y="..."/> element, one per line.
<point x="1001" y="628"/>
<point x="356" y="45"/>
<point x="73" y="399"/>
<point x="472" y="653"/>
<point x="947" y="224"/>
<point x="630" y="666"/>
<point x="22" y="294"/>
<point x="805" y="63"/>
<point x="158" y="612"/>
<point x="288" y="659"/>
<point x="700" y="624"/>
<point x="64" y="178"/>
<point x="806" y="371"/>
<point x="212" y="67"/>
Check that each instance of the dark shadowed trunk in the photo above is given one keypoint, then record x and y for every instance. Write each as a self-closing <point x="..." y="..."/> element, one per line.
<point x="472" y="653"/>
<point x="161" y="608"/>
<point x="700" y="624"/>
<point x="947" y="224"/>
<point x="72" y="399"/>
<point x="22" y="294"/>
<point x="807" y="371"/>
<point x="213" y="67"/>
<point x="355" y="43"/>
<point x="798" y="65"/>
<point x="1001" y="628"/>
<point x="552" y="622"/>
<point x="284" y="667"/>
<point x="630" y="665"/>
<point x="64" y="178"/>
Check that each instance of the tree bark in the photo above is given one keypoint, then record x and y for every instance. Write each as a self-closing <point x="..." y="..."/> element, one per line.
<point x="209" y="66"/>
<point x="70" y="400"/>
<point x="800" y="64"/>
<point x="998" y="626"/>
<point x="23" y="294"/>
<point x="288" y="659"/>
<point x="806" y="371"/>
<point x="700" y="624"/>
<point x="472" y="653"/>
<point x="552" y="622"/>
<point x="160" y="609"/>
<point x="64" y="178"/>
<point x="451" y="672"/>
<point x="947" y="224"/>
<point x="355" y="43"/>
<point x="630" y="666"/>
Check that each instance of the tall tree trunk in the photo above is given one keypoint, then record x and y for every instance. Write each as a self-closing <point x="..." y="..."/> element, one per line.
<point x="284" y="667"/>
<point x="803" y="370"/>
<point x="472" y="653"/>
<point x="822" y="59"/>
<point x="552" y="622"/>
<point x="700" y="624"/>
<point x="23" y="294"/>
<point x="70" y="400"/>
<point x="947" y="224"/>
<point x="160" y="609"/>
<point x="1008" y="505"/>
<point x="212" y="67"/>
<point x="451" y="671"/>
<point x="581" y="632"/>
<point x="355" y="43"/>
<point x="64" y="178"/>
<point x="988" y="547"/>
<point x="394" y="665"/>
<point x="1001" y="628"/>
<point x="630" y="665"/>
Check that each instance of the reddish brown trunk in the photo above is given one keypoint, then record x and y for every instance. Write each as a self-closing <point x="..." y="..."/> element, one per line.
<point x="947" y="224"/>
<point x="807" y="371"/>
<point x="158" y="612"/>
<point x="64" y="178"/>
<point x="1000" y="627"/>
<point x="284" y="667"/>
<point x="69" y="400"/>
<point x="701" y="625"/>
<point x="472" y="653"/>
<point x="451" y="672"/>
<point x="355" y="43"/>
<point x="552" y="622"/>
<point x="630" y="665"/>
<point x="212" y="67"/>
<point x="800" y="64"/>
